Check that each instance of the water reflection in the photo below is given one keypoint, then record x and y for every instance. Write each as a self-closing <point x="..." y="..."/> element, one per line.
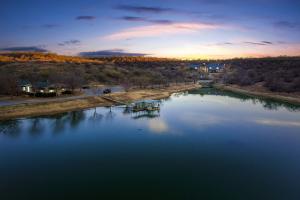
<point x="10" y="128"/>
<point x="76" y="117"/>
<point x="96" y="117"/>
<point x="177" y="115"/>
<point x="201" y="141"/>
<point x="274" y="122"/>
<point x="36" y="127"/>
<point x="110" y="115"/>
<point x="59" y="123"/>
<point x="158" y="126"/>
<point x="145" y="114"/>
<point x="266" y="103"/>
<point x="200" y="120"/>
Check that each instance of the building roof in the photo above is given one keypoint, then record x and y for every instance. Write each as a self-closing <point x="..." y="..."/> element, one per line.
<point x="23" y="83"/>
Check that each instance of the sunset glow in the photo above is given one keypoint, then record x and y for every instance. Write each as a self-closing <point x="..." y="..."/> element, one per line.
<point x="180" y="29"/>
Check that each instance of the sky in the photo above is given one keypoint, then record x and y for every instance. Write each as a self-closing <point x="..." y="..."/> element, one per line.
<point x="165" y="28"/>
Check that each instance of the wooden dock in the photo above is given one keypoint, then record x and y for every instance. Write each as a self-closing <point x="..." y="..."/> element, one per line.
<point x="142" y="105"/>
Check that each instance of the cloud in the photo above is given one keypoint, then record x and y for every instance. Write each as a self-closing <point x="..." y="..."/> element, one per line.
<point x="160" y="29"/>
<point x="143" y="9"/>
<point x="133" y="19"/>
<point x="262" y="43"/>
<point x="285" y="24"/>
<point x="197" y="12"/>
<point x="69" y="42"/>
<point x="86" y="17"/>
<point x="266" y="42"/>
<point x="223" y="43"/>
<point x="259" y="43"/>
<point x="144" y="19"/>
<point x="110" y="52"/>
<point x="25" y="49"/>
<point x="161" y="21"/>
<point x="168" y="10"/>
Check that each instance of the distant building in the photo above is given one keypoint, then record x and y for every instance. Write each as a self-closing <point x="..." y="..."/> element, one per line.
<point x="26" y="86"/>
<point x="215" y="67"/>
<point x="44" y="87"/>
<point x="204" y="69"/>
<point x="194" y="66"/>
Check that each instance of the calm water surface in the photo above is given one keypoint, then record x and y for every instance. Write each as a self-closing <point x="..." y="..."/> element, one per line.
<point x="204" y="144"/>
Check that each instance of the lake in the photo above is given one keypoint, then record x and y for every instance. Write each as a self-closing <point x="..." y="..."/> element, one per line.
<point x="203" y="144"/>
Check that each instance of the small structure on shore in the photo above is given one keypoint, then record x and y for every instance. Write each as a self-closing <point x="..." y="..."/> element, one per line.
<point x="26" y="86"/>
<point x="203" y="68"/>
<point x="146" y="105"/>
<point x="194" y="66"/>
<point x="42" y="89"/>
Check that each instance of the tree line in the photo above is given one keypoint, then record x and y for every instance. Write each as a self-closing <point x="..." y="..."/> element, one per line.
<point x="129" y="74"/>
<point x="281" y="74"/>
<point x="43" y="57"/>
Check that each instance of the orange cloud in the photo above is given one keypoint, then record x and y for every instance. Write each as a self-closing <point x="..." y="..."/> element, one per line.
<point x="160" y="29"/>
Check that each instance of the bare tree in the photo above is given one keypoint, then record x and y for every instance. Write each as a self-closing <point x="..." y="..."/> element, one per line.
<point x="9" y="85"/>
<point x="74" y="80"/>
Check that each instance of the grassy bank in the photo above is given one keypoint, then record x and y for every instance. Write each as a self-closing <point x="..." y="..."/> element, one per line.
<point x="134" y="95"/>
<point x="38" y="109"/>
<point x="47" y="108"/>
<point x="250" y="91"/>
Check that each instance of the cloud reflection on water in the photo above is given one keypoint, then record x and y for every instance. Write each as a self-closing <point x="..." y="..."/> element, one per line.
<point x="275" y="122"/>
<point x="158" y="126"/>
<point x="200" y="119"/>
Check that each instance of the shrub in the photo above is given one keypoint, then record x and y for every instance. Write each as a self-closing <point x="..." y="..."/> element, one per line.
<point x="40" y="94"/>
<point x="278" y="74"/>
<point x="67" y="92"/>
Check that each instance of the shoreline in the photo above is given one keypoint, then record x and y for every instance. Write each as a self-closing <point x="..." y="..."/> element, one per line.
<point x="56" y="107"/>
<point x="295" y="100"/>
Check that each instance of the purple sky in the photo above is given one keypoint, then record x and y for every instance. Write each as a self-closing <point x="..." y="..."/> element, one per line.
<point x="167" y="28"/>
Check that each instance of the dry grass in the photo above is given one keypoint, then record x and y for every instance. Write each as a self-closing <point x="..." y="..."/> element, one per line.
<point x="9" y="112"/>
<point x="37" y="109"/>
<point x="134" y="95"/>
<point x="293" y="98"/>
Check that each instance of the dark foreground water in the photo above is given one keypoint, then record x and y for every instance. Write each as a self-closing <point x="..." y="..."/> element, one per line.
<point x="204" y="144"/>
